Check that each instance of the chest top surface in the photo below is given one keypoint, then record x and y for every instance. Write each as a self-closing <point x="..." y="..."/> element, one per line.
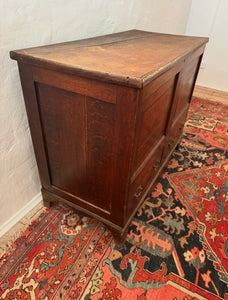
<point x="132" y="58"/>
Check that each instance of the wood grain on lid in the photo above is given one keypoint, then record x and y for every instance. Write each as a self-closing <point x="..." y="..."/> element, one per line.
<point x="130" y="58"/>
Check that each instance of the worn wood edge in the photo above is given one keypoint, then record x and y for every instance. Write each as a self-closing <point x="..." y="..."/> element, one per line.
<point x="70" y="197"/>
<point x="147" y="78"/>
<point x="5" y="227"/>
<point x="68" y="69"/>
<point x="75" y="84"/>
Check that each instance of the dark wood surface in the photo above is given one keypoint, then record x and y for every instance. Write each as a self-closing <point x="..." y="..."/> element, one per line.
<point x="131" y="58"/>
<point x="105" y="115"/>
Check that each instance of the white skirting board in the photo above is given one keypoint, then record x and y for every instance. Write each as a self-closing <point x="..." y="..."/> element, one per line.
<point x="20" y="214"/>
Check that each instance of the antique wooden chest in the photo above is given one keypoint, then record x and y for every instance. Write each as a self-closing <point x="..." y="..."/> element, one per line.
<point x="105" y="114"/>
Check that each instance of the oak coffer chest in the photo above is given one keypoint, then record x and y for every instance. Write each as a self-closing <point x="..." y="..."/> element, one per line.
<point x="105" y="114"/>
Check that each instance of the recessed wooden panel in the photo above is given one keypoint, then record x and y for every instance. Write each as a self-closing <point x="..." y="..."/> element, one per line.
<point x="174" y="133"/>
<point x="154" y="121"/>
<point x="62" y="121"/>
<point x="100" y="118"/>
<point x="185" y="88"/>
<point x="78" y="134"/>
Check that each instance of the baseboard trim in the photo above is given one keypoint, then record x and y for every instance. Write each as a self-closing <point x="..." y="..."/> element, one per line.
<point x="20" y="214"/>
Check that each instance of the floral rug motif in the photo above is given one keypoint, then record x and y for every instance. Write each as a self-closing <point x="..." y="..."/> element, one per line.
<point x="177" y="245"/>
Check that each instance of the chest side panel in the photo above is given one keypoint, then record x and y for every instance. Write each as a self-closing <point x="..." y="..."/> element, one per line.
<point x="78" y="133"/>
<point x="86" y="132"/>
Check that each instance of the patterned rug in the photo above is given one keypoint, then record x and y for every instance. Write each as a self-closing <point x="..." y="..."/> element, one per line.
<point x="177" y="246"/>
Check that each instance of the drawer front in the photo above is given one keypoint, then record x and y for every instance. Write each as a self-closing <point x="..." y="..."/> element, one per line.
<point x="140" y="183"/>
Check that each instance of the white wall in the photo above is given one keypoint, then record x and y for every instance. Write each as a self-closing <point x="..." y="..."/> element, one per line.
<point x="209" y="18"/>
<point x="30" y="23"/>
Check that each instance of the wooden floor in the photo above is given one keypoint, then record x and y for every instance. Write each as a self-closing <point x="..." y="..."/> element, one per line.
<point x="211" y="94"/>
<point x="7" y="239"/>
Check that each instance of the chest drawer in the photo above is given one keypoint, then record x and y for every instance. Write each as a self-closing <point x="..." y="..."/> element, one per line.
<point x="140" y="182"/>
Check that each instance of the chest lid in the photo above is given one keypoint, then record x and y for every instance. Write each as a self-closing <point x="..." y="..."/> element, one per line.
<point x="132" y="58"/>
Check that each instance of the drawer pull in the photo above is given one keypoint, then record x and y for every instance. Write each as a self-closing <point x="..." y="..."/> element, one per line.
<point x="170" y="144"/>
<point x="138" y="191"/>
<point x="157" y="164"/>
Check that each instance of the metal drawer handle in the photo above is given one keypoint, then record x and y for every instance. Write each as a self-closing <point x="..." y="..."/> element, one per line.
<point x="157" y="164"/>
<point x="138" y="191"/>
<point x="170" y="144"/>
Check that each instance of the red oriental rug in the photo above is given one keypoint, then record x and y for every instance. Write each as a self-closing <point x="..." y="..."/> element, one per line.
<point x="177" y="246"/>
